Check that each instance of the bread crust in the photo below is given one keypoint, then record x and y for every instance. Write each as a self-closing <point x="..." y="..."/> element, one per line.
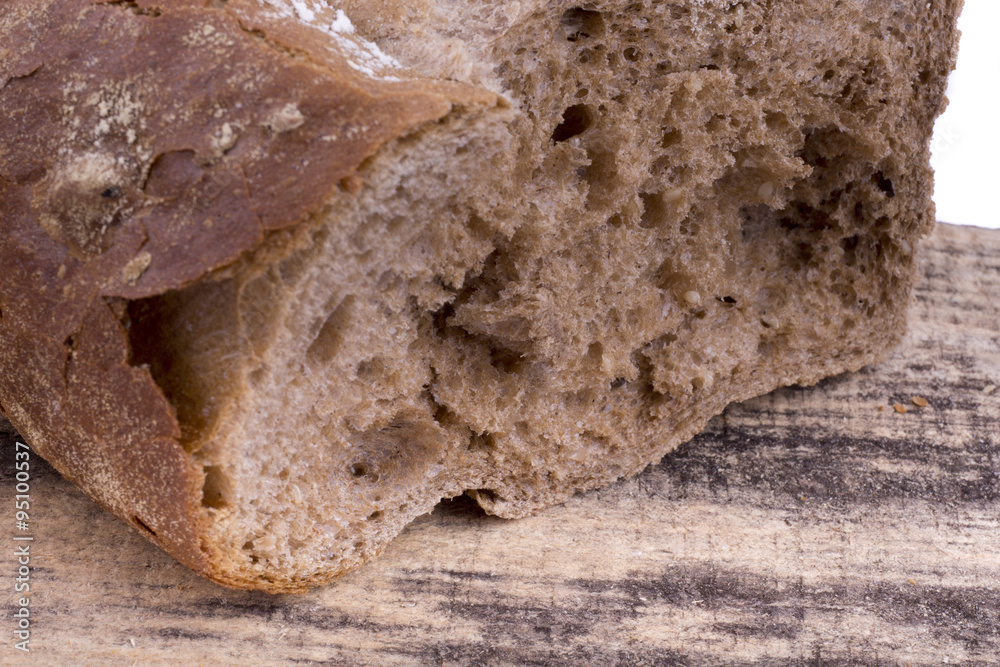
<point x="146" y="146"/>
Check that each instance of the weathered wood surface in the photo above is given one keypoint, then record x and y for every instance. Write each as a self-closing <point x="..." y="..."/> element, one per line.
<point x="808" y="527"/>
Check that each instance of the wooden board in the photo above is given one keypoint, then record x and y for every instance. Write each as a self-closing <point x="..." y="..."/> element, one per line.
<point x="810" y="526"/>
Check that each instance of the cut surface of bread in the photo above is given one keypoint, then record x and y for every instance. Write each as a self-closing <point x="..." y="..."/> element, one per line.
<point x="277" y="280"/>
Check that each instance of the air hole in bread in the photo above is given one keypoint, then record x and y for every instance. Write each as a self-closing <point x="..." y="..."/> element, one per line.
<point x="479" y="227"/>
<point x="506" y="360"/>
<point x="671" y="137"/>
<point x="488" y="496"/>
<point x="654" y="210"/>
<point x="850" y="245"/>
<point x="256" y="376"/>
<point x="331" y="334"/>
<point x="368" y="369"/>
<point x="884" y="184"/>
<point x="480" y="442"/>
<point x="602" y="177"/>
<point x="441" y="415"/>
<point x="576" y="120"/>
<point x="716" y="123"/>
<point x="673" y="279"/>
<point x="213" y="490"/>
<point x="579" y="24"/>
<point x="406" y="450"/>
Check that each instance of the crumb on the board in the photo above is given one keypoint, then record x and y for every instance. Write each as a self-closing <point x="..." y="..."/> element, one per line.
<point x="881" y="408"/>
<point x="898" y="407"/>
<point x="919" y="401"/>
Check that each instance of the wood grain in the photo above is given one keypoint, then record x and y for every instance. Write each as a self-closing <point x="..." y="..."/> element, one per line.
<point x="811" y="526"/>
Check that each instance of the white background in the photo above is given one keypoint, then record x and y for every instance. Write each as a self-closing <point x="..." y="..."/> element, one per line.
<point x="966" y="145"/>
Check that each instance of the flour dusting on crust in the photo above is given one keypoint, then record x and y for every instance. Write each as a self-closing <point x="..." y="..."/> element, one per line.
<point x="363" y="56"/>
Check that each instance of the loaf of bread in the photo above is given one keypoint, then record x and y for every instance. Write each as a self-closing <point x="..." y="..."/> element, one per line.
<point x="279" y="275"/>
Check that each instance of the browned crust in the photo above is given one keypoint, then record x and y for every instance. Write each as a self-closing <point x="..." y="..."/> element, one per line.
<point x="145" y="145"/>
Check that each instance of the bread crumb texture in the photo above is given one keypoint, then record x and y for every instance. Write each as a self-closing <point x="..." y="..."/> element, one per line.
<point x="328" y="263"/>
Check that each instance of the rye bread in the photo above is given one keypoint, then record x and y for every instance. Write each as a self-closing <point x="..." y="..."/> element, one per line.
<point x="276" y="280"/>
